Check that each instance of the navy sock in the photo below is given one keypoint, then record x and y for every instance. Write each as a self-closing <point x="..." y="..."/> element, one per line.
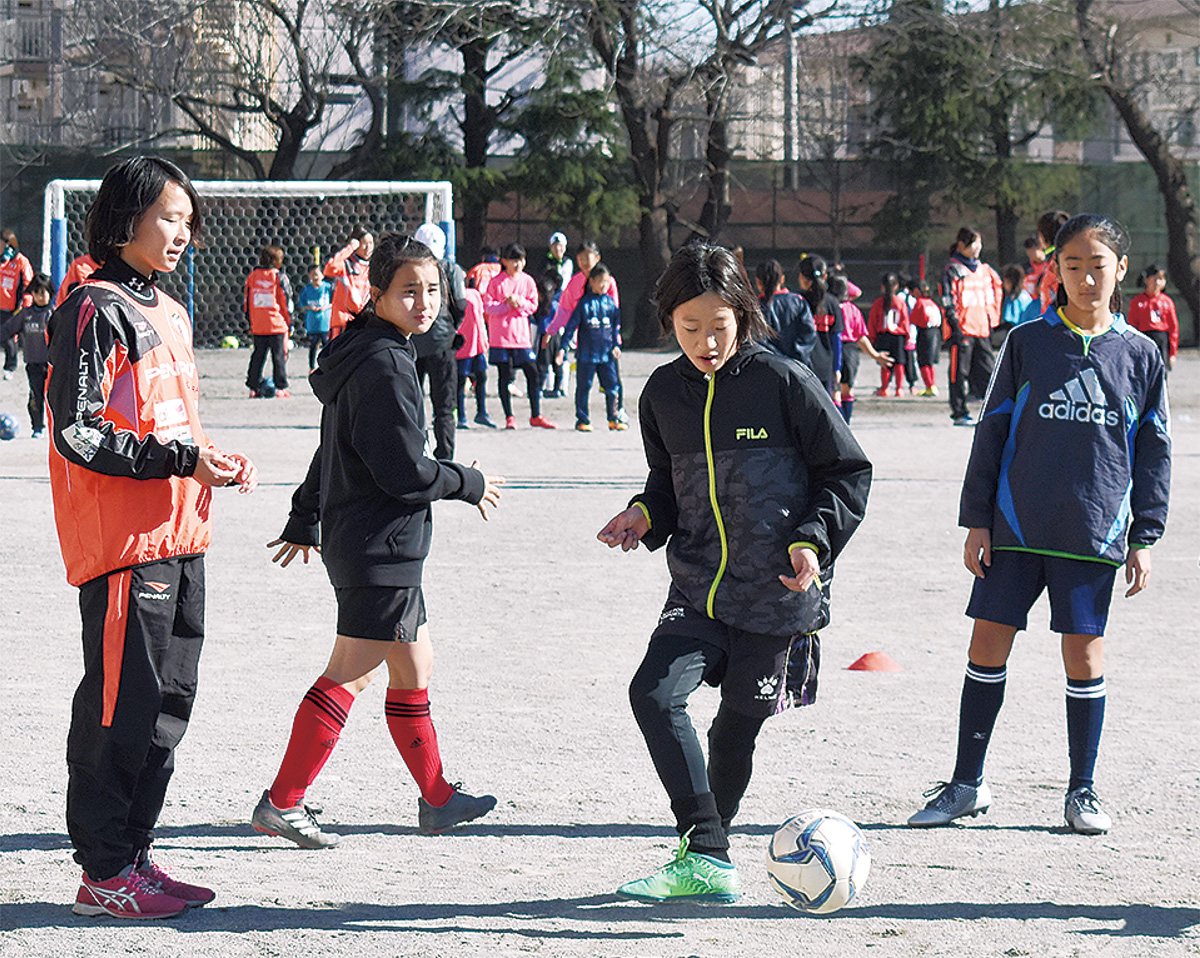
<point x="1085" y="719"/>
<point x="982" y="696"/>
<point x="847" y="408"/>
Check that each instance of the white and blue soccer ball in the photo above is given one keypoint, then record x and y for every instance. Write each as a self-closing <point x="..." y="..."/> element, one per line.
<point x="9" y="427"/>
<point x="818" y="861"/>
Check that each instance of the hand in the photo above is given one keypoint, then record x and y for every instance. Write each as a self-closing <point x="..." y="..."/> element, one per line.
<point x="625" y="529"/>
<point x="884" y="359"/>
<point x="289" y="551"/>
<point x="353" y="245"/>
<point x="806" y="568"/>
<point x="545" y="340"/>
<point x="247" y="477"/>
<point x="616" y="352"/>
<point x="1137" y="571"/>
<point x="977" y="552"/>
<point x="561" y="357"/>
<point x="491" y="492"/>
<point x="214" y="468"/>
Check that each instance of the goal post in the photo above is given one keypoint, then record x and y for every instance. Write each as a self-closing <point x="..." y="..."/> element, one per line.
<point x="309" y="219"/>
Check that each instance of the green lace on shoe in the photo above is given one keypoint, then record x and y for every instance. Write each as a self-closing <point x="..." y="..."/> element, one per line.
<point x="689" y="877"/>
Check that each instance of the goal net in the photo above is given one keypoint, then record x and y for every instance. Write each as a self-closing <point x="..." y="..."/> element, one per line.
<point x="309" y="220"/>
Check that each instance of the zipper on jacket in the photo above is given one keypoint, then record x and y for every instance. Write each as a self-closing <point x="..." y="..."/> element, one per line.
<point x="712" y="496"/>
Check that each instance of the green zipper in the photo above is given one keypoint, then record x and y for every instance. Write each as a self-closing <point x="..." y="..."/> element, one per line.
<point x="712" y="496"/>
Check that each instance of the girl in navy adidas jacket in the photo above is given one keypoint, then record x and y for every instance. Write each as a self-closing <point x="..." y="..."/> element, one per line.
<point x="1067" y="481"/>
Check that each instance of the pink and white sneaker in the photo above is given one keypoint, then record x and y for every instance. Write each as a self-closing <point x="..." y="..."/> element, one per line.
<point x="128" y="894"/>
<point x="192" y="895"/>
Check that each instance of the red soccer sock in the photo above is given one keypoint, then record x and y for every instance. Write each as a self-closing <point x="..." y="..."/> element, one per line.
<point x="885" y="377"/>
<point x="898" y="372"/>
<point x="412" y="730"/>
<point x="315" y="731"/>
<point x="927" y="375"/>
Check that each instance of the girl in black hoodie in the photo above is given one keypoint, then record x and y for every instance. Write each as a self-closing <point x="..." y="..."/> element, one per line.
<point x="366" y="505"/>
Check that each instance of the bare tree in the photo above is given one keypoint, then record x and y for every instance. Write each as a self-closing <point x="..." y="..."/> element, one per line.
<point x="254" y="78"/>
<point x="1111" y="48"/>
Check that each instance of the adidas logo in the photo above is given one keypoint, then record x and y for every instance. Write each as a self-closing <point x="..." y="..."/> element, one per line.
<point x="1080" y="400"/>
<point x="416" y="742"/>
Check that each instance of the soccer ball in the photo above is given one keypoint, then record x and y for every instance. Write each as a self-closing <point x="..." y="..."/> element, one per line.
<point x="9" y="426"/>
<point x="230" y="342"/>
<point x="818" y="861"/>
<point x="266" y="389"/>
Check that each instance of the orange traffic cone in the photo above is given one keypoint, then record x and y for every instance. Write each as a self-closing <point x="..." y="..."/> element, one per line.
<point x="875" y="662"/>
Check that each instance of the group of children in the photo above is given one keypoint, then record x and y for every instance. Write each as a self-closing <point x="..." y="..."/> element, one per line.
<point x="755" y="487"/>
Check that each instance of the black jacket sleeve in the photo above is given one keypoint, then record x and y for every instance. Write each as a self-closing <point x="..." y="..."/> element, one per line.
<point x="387" y="434"/>
<point x="839" y="471"/>
<point x="303" y="526"/>
<point x="658" y="497"/>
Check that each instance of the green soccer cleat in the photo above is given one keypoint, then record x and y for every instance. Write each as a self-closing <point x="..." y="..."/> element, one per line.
<point x="689" y="877"/>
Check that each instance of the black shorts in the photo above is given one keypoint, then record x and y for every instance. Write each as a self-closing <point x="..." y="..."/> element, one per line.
<point x="382" y="613"/>
<point x="758" y="675"/>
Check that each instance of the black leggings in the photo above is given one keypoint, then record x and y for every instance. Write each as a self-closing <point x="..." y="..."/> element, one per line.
<point x="705" y="798"/>
<point x="531" y="381"/>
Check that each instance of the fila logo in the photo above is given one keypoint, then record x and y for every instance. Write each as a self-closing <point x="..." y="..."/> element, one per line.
<point x="750" y="433"/>
<point x="1080" y="400"/>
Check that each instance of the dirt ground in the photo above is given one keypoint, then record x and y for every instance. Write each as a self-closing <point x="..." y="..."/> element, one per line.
<point x="537" y="629"/>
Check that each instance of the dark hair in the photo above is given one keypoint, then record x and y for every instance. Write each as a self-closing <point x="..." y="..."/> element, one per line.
<point x="554" y="278"/>
<point x="588" y="246"/>
<point x="700" y="268"/>
<point x="311" y="267"/>
<point x="966" y="235"/>
<point x="1050" y="223"/>
<point x="839" y="286"/>
<point x="40" y="282"/>
<point x="271" y="258"/>
<point x="128" y="190"/>
<point x="814" y="269"/>
<point x="513" y="251"/>
<point x="487" y="250"/>
<point x="1108" y="231"/>
<point x="919" y="286"/>
<point x="1015" y="274"/>
<point x="598" y="271"/>
<point x="1153" y="269"/>
<point x="890" y="284"/>
<point x="770" y="274"/>
<point x="9" y="238"/>
<point x="1032" y="243"/>
<point x="359" y="232"/>
<point x="548" y="285"/>
<point x="391" y="252"/>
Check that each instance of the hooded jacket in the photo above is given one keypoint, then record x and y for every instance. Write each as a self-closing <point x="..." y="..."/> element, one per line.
<point x="367" y="496"/>
<point x="745" y="464"/>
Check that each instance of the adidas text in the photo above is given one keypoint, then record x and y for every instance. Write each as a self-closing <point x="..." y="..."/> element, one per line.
<point x="1078" y="412"/>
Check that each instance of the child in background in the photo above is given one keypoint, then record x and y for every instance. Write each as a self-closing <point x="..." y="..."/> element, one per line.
<point x="314" y="304"/>
<point x="1068" y="480"/>
<point x="366" y="503"/>
<point x="510" y="300"/>
<point x="888" y="326"/>
<point x="1153" y="313"/>
<point x="352" y="289"/>
<point x="16" y="273"/>
<point x="854" y="333"/>
<point x="926" y="318"/>
<point x="268" y="303"/>
<point x="80" y="269"/>
<point x="31" y="322"/>
<point x="911" y="376"/>
<point x="1044" y="287"/>
<point x="472" y="360"/>
<point x="547" y="344"/>
<point x="479" y="275"/>
<point x="598" y="322"/>
<point x="1014" y="303"/>
<point x="749" y="573"/>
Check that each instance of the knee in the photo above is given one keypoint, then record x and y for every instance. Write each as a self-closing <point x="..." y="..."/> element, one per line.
<point x="648" y="698"/>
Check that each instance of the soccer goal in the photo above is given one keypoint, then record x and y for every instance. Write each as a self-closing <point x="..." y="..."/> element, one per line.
<point x="310" y="220"/>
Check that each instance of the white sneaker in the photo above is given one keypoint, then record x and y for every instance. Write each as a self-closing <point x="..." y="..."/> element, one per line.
<point x="1084" y="814"/>
<point x="952" y="800"/>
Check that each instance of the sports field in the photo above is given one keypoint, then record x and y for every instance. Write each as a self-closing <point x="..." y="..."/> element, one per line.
<point x="537" y="629"/>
